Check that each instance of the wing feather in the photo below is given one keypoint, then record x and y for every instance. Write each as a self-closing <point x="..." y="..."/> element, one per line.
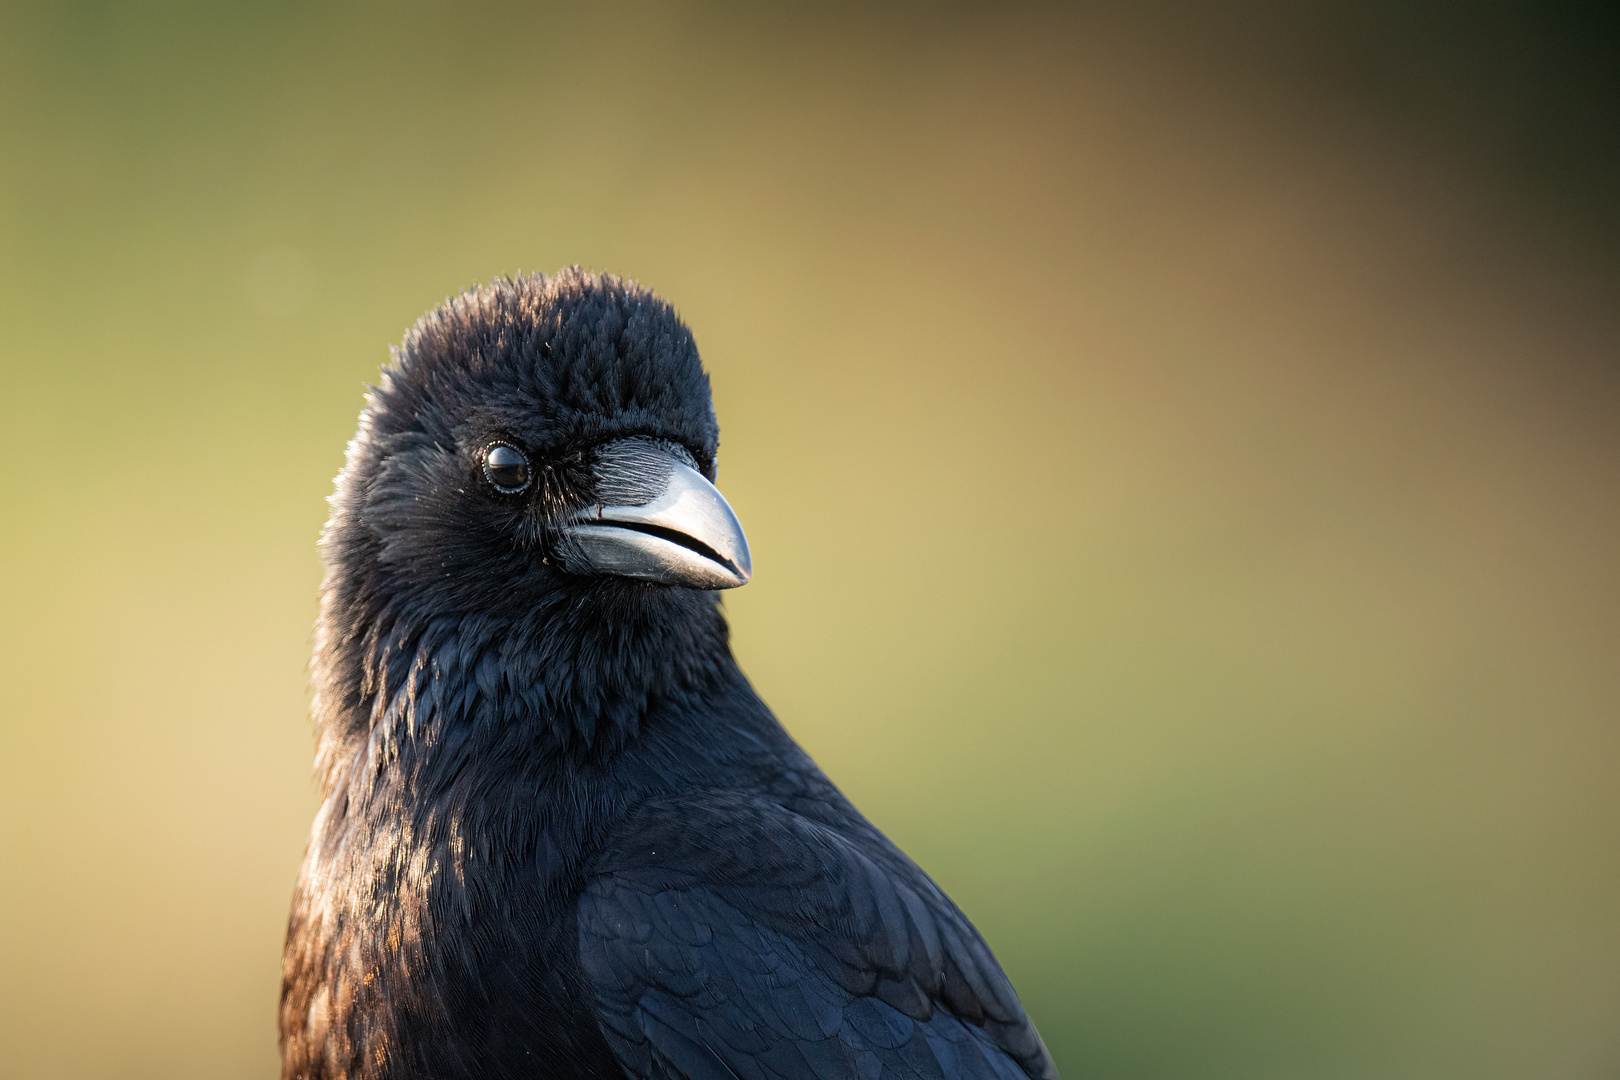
<point x="733" y="939"/>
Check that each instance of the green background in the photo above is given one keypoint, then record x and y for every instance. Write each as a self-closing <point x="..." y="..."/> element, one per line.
<point x="1179" y="446"/>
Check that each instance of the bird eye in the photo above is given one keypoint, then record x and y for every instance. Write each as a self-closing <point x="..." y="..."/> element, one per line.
<point x="506" y="468"/>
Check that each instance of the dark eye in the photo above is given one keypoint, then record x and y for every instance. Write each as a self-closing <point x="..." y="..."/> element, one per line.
<point x="506" y="468"/>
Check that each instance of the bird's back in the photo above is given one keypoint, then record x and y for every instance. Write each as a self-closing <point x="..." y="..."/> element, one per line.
<point x="727" y="913"/>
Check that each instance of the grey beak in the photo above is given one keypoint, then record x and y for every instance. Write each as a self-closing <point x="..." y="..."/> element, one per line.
<point x="684" y="534"/>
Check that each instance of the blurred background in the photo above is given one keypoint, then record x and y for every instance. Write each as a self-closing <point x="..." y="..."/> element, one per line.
<point x="1180" y="445"/>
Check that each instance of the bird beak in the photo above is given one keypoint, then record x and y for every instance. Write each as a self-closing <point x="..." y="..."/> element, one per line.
<point x="685" y="534"/>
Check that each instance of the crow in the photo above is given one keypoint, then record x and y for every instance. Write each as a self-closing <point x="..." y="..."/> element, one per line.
<point x="559" y="834"/>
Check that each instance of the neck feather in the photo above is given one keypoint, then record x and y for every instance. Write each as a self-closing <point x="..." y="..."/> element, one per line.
<point x="577" y="673"/>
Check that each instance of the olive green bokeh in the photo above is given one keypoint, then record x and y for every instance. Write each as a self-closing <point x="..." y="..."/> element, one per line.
<point x="1184" y="509"/>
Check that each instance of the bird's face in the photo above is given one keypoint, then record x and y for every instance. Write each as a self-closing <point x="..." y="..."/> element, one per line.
<point x="564" y="450"/>
<point x="493" y="512"/>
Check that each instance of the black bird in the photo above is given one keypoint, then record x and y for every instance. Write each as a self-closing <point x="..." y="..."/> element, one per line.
<point x="560" y="836"/>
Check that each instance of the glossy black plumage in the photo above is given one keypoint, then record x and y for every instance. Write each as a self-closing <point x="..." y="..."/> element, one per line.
<point x="560" y="835"/>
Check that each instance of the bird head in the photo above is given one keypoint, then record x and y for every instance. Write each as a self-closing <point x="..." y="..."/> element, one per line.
<point x="539" y="434"/>
<point x="536" y="469"/>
